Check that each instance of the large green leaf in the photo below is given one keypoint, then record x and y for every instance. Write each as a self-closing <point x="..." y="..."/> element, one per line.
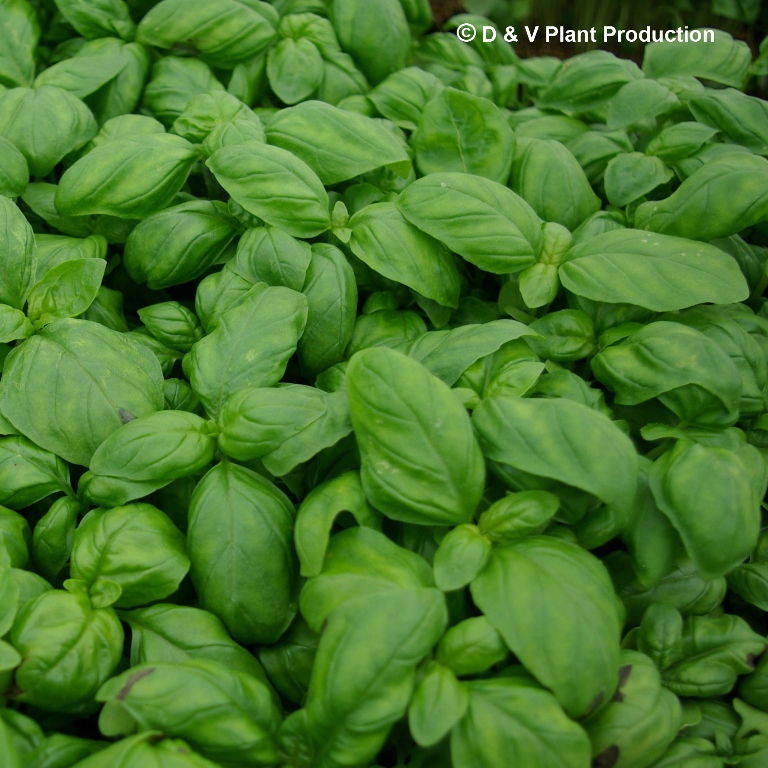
<point x="395" y="248"/>
<point x="553" y="603"/>
<point x="420" y="460"/>
<point x="562" y="440"/>
<point x="725" y="61"/>
<point x="250" y="346"/>
<point x="458" y="131"/>
<point x="481" y="220"/>
<point x="275" y="185"/>
<point x="365" y="670"/>
<point x="240" y="544"/>
<point x="336" y="144"/>
<point x="128" y="178"/>
<point x="222" y="32"/>
<point x="447" y="354"/>
<point x="18" y="260"/>
<point x="712" y="497"/>
<point x="510" y="720"/>
<point x="25" y="115"/>
<point x="704" y="207"/>
<point x="658" y="272"/>
<point x="74" y="383"/>
<point x="19" y="33"/>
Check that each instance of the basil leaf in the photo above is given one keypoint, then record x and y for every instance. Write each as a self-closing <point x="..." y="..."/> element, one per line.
<point x="482" y="221"/>
<point x="337" y="145"/>
<point x="85" y="377"/>
<point x="658" y="272"/>
<point x="274" y="185"/>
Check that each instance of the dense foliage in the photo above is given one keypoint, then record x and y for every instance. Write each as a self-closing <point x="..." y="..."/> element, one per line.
<point x="372" y="398"/>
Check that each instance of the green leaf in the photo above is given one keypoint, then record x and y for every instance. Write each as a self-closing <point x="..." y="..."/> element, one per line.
<point x="176" y="633"/>
<point x="331" y="293"/>
<point x="15" y="538"/>
<point x="175" y="82"/>
<point x="680" y="140"/>
<point x="630" y="176"/>
<point x="375" y="35"/>
<point x="172" y="324"/>
<point x="250" y="346"/>
<point x="361" y="562"/>
<point x="219" y="292"/>
<point x="709" y="192"/>
<point x="562" y="440"/>
<point x="19" y="33"/>
<point x="239" y="540"/>
<point x="402" y="96"/>
<point x="14" y="173"/>
<point x="17" y="255"/>
<point x="586" y="81"/>
<point x="726" y="61"/>
<point x="270" y="255"/>
<point x="548" y="177"/>
<point x="641" y="721"/>
<point x="152" y="450"/>
<point x="274" y="185"/>
<point x="206" y="111"/>
<point x="579" y="664"/>
<point x="87" y="378"/>
<point x="461" y="556"/>
<point x="518" y="514"/>
<point x="122" y="94"/>
<point x="52" y="537"/>
<point x="359" y="689"/>
<point x="128" y="178"/>
<point x="94" y="65"/>
<point x="447" y="354"/>
<point x="53" y="250"/>
<point x="484" y="222"/>
<point x="564" y="336"/>
<point x="712" y="497"/>
<point x="24" y="114"/>
<point x="639" y="101"/>
<point x="57" y="631"/>
<point x="224" y="32"/>
<point x="39" y="196"/>
<point x="241" y="714"/>
<point x="708" y="656"/>
<point x="512" y="716"/>
<point x="658" y="272"/>
<point x="294" y="69"/>
<point x="396" y="249"/>
<point x="14" y="324"/>
<point x="421" y="463"/>
<point x="336" y="144"/>
<point x="257" y="421"/>
<point x="463" y="133"/>
<point x="66" y="291"/>
<point x="136" y="547"/>
<point x="98" y="18"/>
<point x="284" y="427"/>
<point x="178" y="244"/>
<point x="385" y="328"/>
<point x="470" y="647"/>
<point x="741" y="118"/>
<point x="318" y="512"/>
<point x="104" y="592"/>
<point x="687" y="371"/>
<point x="29" y="473"/>
<point x="438" y="703"/>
